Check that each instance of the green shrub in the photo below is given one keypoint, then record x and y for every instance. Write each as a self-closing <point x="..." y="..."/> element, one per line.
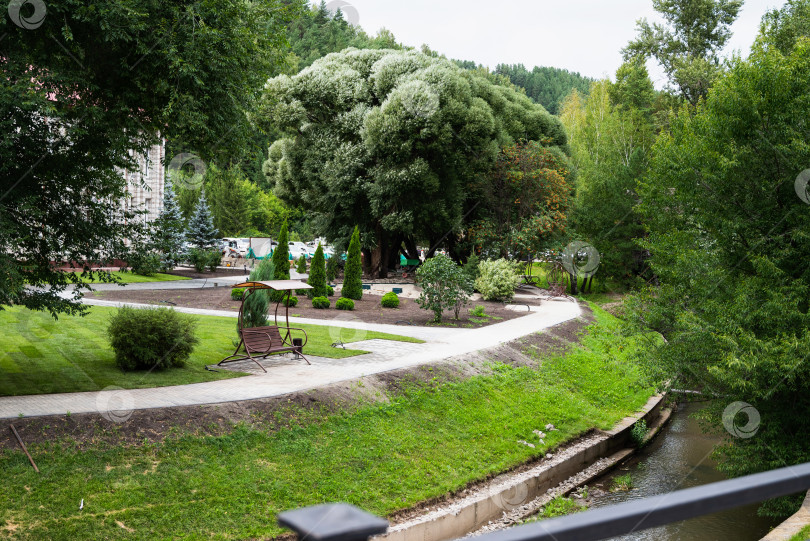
<point x="478" y="311"/>
<point x="292" y="301"/>
<point x="390" y="300"/>
<point x="471" y="267"/>
<point x="344" y="304"/>
<point x="330" y="291"/>
<point x="238" y="293"/>
<point x="146" y="264"/>
<point x="201" y="259"/>
<point x="151" y="338"/>
<point x="638" y="433"/>
<point x="301" y="266"/>
<point x="497" y="280"/>
<point x="353" y="272"/>
<point x="444" y="286"/>
<point x="214" y="259"/>
<point x="320" y="302"/>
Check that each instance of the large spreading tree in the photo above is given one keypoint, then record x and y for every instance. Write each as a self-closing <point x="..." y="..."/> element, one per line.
<point x="88" y="89"/>
<point x="395" y="141"/>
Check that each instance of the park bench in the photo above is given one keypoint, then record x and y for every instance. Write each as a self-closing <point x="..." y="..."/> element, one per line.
<point x="261" y="342"/>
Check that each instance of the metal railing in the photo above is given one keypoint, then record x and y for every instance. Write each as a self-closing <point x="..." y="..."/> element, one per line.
<point x="343" y="522"/>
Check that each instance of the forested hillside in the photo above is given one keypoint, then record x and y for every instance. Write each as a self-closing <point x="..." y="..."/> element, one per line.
<point x="546" y="86"/>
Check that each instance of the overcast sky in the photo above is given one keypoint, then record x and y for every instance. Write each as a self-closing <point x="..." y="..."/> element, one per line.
<point x="578" y="35"/>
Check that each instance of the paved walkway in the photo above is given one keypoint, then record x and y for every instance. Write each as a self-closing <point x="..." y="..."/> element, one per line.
<point x="285" y="375"/>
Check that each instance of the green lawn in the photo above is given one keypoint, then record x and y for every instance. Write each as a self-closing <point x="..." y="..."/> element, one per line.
<point x="132" y="278"/>
<point x="383" y="457"/>
<point x="600" y="292"/>
<point x="41" y="355"/>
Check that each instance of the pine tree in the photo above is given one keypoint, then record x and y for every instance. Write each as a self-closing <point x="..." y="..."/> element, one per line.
<point x="168" y="232"/>
<point x="201" y="231"/>
<point x="317" y="274"/>
<point x="353" y="272"/>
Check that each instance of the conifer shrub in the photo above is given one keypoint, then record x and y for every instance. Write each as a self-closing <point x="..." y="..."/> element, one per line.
<point x="353" y="271"/>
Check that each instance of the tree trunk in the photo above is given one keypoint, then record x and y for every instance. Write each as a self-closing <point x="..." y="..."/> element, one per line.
<point x="366" y="261"/>
<point x="411" y="251"/>
<point x="573" y="284"/>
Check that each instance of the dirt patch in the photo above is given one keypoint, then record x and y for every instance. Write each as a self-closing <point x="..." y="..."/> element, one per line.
<point x="154" y="425"/>
<point x="367" y="309"/>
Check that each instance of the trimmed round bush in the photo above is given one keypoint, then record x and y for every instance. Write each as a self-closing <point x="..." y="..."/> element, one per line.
<point x="292" y="301"/>
<point x="151" y="338"/>
<point x="238" y="293"/>
<point x="320" y="302"/>
<point x="330" y="291"/>
<point x="390" y="300"/>
<point x="344" y="304"/>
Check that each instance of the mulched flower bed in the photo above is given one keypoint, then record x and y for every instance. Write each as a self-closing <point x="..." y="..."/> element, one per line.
<point x="367" y="309"/>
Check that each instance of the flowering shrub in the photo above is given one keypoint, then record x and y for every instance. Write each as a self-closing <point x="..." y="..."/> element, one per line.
<point x="497" y="279"/>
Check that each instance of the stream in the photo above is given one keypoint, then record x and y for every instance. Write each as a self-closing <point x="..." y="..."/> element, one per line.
<point x="680" y="458"/>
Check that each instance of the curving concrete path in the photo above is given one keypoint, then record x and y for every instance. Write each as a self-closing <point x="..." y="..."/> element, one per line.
<point x="285" y="375"/>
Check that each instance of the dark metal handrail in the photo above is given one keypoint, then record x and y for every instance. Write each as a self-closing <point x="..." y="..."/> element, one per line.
<point x="340" y="522"/>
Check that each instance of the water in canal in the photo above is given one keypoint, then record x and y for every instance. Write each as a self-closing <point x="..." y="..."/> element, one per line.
<point x="680" y="458"/>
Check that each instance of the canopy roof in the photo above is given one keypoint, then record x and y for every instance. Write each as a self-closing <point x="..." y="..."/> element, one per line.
<point x="278" y="285"/>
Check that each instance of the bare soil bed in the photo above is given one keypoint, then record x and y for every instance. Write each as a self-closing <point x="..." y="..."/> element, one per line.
<point x="86" y="431"/>
<point x="367" y="309"/>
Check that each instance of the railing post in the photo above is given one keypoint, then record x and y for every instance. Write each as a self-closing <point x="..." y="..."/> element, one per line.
<point x="332" y="522"/>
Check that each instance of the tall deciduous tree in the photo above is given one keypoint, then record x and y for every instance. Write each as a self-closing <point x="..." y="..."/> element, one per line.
<point x="730" y="241"/>
<point x="109" y="76"/>
<point x="392" y="140"/>
<point x="688" y="45"/>
<point x="612" y="134"/>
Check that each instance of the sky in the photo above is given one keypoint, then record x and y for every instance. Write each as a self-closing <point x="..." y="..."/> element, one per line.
<point x="583" y="36"/>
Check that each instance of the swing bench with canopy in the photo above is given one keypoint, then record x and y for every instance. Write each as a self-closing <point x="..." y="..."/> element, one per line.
<point x="261" y="342"/>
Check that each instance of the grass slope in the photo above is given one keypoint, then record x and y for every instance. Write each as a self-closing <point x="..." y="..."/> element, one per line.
<point x="40" y="355"/>
<point x="382" y="457"/>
